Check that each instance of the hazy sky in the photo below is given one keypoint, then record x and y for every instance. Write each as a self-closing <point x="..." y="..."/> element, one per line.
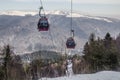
<point x="97" y="7"/>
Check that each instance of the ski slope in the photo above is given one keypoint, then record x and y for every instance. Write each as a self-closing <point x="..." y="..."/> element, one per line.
<point x="104" y="75"/>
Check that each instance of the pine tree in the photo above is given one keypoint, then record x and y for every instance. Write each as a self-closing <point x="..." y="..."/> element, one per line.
<point x="101" y="54"/>
<point x="92" y="38"/>
<point x="107" y="40"/>
<point x="1" y="73"/>
<point x="7" y="52"/>
<point x="12" y="65"/>
<point x="118" y="46"/>
<point x="111" y="52"/>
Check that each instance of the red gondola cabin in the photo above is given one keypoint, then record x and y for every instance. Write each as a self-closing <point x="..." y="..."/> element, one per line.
<point x="43" y="24"/>
<point x="70" y="43"/>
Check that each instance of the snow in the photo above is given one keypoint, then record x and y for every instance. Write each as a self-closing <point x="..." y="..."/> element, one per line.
<point x="98" y="18"/>
<point x="74" y="14"/>
<point x="104" y="75"/>
<point x="18" y="13"/>
<point x="57" y="12"/>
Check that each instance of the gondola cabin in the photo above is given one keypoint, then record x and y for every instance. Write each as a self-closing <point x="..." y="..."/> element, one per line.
<point x="43" y="24"/>
<point x="70" y="43"/>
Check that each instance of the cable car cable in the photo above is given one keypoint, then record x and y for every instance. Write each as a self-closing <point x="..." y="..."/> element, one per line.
<point x="41" y="8"/>
<point x="71" y="18"/>
<point x="72" y="30"/>
<point x="70" y="43"/>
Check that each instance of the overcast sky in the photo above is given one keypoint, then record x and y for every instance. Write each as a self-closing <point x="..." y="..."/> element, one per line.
<point x="97" y="7"/>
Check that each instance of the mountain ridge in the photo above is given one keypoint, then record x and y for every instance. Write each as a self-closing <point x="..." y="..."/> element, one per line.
<point x="21" y="31"/>
<point x="54" y="12"/>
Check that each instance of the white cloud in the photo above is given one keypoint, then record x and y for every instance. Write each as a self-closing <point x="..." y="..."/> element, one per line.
<point x="98" y="1"/>
<point x="26" y="0"/>
<point x="93" y="1"/>
<point x="77" y="1"/>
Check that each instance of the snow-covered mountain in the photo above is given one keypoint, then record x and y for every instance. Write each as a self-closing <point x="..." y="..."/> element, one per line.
<point x="18" y="13"/>
<point x="19" y="29"/>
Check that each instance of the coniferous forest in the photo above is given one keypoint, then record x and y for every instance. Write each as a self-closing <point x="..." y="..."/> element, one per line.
<point x="98" y="54"/>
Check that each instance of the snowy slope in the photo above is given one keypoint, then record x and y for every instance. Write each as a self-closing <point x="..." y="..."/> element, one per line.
<point x="19" y="29"/>
<point x="104" y="75"/>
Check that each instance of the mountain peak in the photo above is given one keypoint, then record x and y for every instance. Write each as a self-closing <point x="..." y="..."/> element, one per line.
<point x="18" y="13"/>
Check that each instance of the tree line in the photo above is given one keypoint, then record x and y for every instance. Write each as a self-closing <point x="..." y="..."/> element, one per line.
<point x="99" y="54"/>
<point x="102" y="54"/>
